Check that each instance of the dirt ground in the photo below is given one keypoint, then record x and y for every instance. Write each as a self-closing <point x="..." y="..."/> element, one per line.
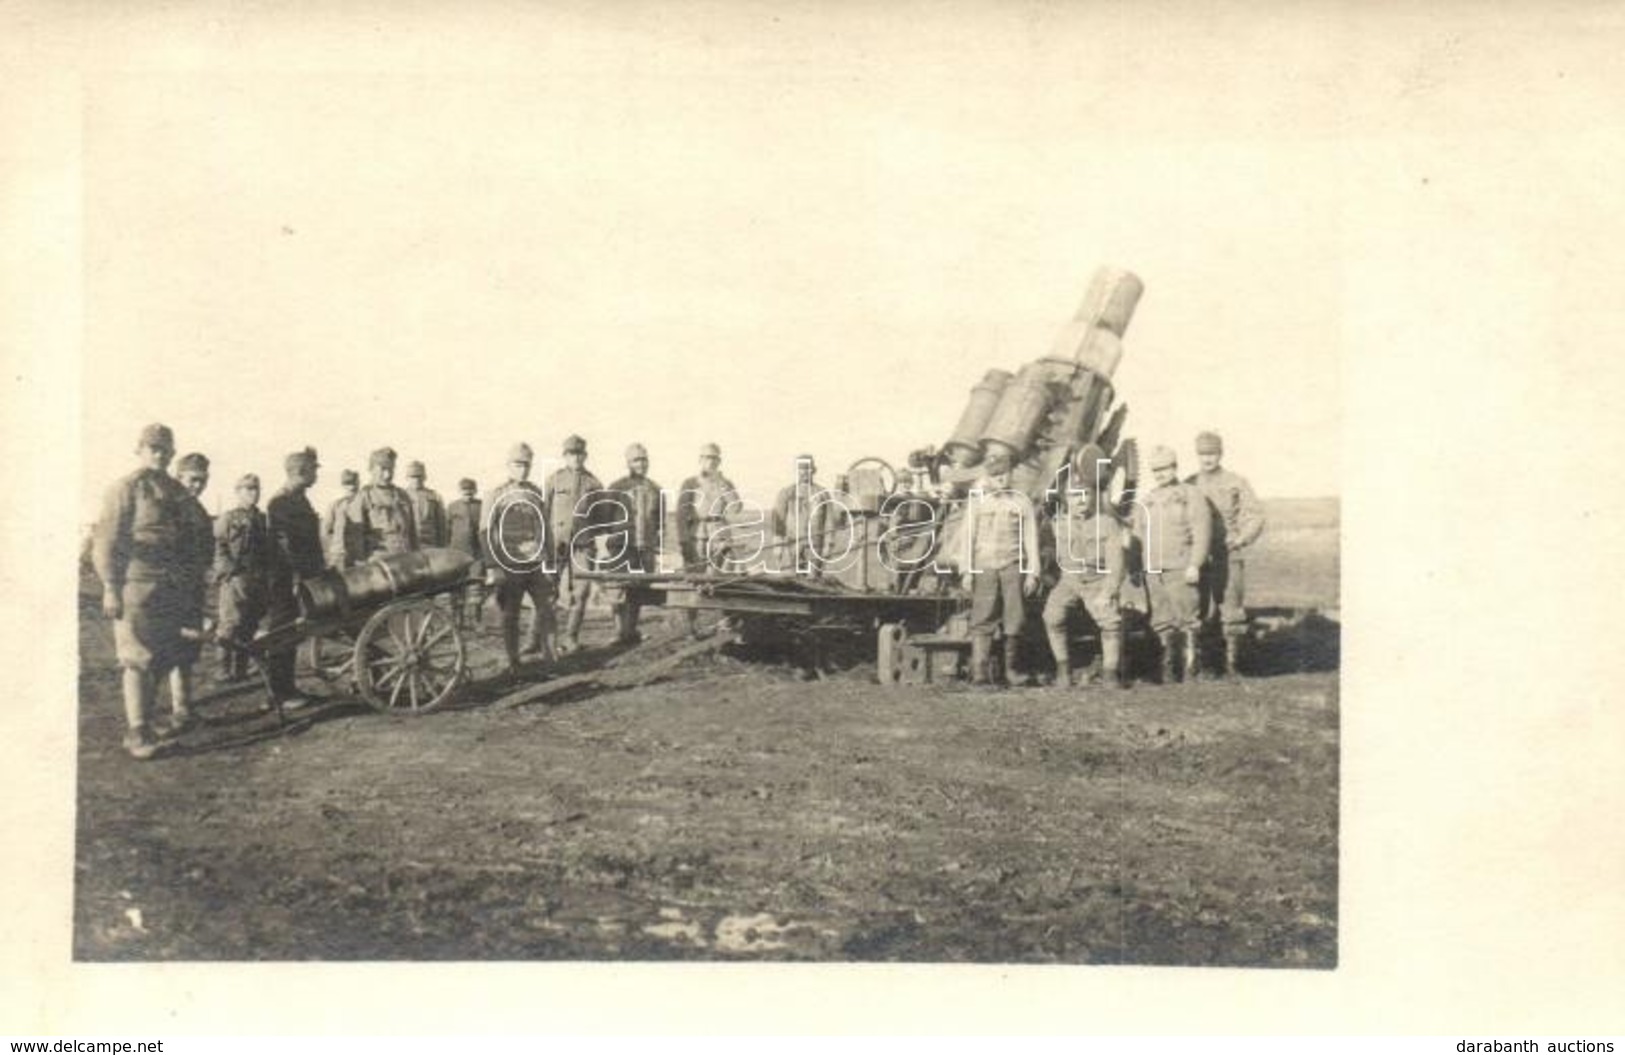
<point x="735" y="810"/>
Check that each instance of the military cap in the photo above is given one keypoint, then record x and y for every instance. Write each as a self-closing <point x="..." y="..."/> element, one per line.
<point x="575" y="445"/>
<point x="156" y="435"/>
<point x="415" y="471"/>
<point x="520" y="452"/>
<point x="248" y="480"/>
<point x="1209" y="443"/>
<point x="349" y="476"/>
<point x="710" y="450"/>
<point x="465" y="484"/>
<point x="806" y="458"/>
<point x="636" y="451"/>
<point x="305" y="459"/>
<point x="1163" y="457"/>
<point x="382" y="456"/>
<point x="193" y="463"/>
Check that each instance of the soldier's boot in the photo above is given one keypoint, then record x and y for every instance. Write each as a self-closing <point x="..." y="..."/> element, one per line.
<point x="691" y="623"/>
<point x="1012" y="654"/>
<point x="1232" y="650"/>
<point x="1111" y="658"/>
<point x="981" y="652"/>
<point x="180" y="698"/>
<point x="139" y="690"/>
<point x="1168" y="655"/>
<point x="1193" y="655"/>
<point x="1063" y="662"/>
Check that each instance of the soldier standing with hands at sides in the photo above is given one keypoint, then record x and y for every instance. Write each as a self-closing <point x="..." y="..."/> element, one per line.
<point x="296" y="555"/>
<point x="380" y="515"/>
<point x="463" y="535"/>
<point x="1001" y="528"/>
<point x="702" y="520"/>
<point x="1239" y="523"/>
<point x="197" y="557"/>
<point x="515" y="542"/>
<point x="1089" y="552"/>
<point x="571" y="494"/>
<point x="337" y="522"/>
<point x="241" y="561"/>
<point x="1178" y="536"/>
<point x="428" y="511"/>
<point x="801" y="521"/>
<point x="634" y="540"/>
<point x="136" y="551"/>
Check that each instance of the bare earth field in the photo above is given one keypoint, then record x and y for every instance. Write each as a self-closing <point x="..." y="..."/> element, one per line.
<point x="737" y="810"/>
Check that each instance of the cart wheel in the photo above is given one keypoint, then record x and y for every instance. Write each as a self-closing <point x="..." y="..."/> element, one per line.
<point x="330" y="658"/>
<point x="409" y="658"/>
<point x="892" y="644"/>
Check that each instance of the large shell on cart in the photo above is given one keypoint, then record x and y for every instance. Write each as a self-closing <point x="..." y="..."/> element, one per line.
<point x="381" y="579"/>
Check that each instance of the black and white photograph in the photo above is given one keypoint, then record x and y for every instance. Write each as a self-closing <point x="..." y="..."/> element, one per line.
<point x="749" y="485"/>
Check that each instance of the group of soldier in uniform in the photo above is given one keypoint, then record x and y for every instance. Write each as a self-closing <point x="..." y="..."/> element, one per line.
<point x="157" y="552"/>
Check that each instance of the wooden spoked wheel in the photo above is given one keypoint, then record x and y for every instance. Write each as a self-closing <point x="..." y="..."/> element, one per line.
<point x="409" y="658"/>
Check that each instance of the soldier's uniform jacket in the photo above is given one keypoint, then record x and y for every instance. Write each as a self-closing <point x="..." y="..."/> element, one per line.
<point x="804" y="513"/>
<point x="702" y="507"/>
<point x="1002" y="526"/>
<point x="296" y="536"/>
<point x="1090" y="547"/>
<point x="463" y="526"/>
<point x="572" y="516"/>
<point x="639" y="498"/>
<point x="241" y="545"/>
<point x="519" y="511"/>
<point x="1179" y="527"/>
<point x="142" y="530"/>
<point x="429" y="516"/>
<point x="1240" y="514"/>
<point x="196" y="542"/>
<point x="335" y="530"/>
<point x="381" y="521"/>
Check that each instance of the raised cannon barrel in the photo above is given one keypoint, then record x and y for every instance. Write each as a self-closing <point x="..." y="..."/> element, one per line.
<point x="380" y="580"/>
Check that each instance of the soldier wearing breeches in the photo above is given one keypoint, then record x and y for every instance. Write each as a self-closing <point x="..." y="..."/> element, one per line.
<point x="1090" y="555"/>
<point x="572" y="494"/>
<point x="1002" y="546"/>
<point x="1178" y="535"/>
<point x="136" y="550"/>
<point x="703" y="504"/>
<point x="197" y="558"/>
<point x="514" y="539"/>
<point x="1239" y="523"/>
<point x="241" y="561"/>
<point x="296" y="555"/>
<point x="634" y="539"/>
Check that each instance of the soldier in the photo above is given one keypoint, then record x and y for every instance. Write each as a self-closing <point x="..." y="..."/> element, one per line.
<point x="241" y="560"/>
<point x="380" y="516"/>
<point x="1239" y="523"/>
<point x="1001" y="541"/>
<point x="514" y="538"/>
<point x="802" y="521"/>
<point x="1178" y="536"/>
<point x="296" y="555"/>
<point x="1090" y="555"/>
<point x="572" y="494"/>
<point x="633" y="541"/>
<point x="463" y="535"/>
<point x="703" y="505"/>
<point x="428" y="511"/>
<point x="336" y="525"/>
<point x="197" y="557"/>
<point x="136" y="550"/>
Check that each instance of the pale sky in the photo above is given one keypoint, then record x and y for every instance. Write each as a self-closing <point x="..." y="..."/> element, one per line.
<point x="676" y="239"/>
<point x="634" y="230"/>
